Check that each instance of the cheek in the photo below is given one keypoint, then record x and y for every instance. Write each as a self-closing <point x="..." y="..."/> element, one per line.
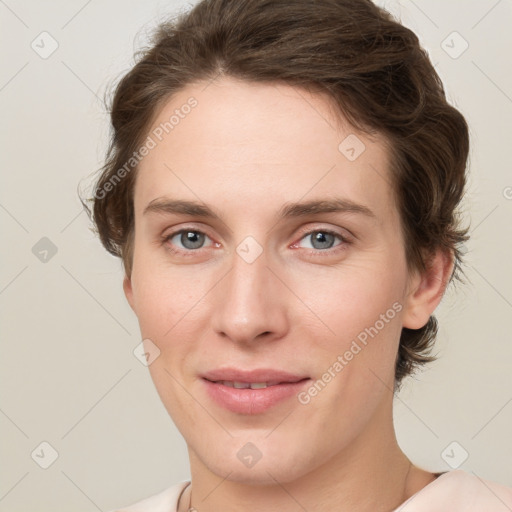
<point x="165" y="295"/>
<point x="353" y="298"/>
<point x="360" y="309"/>
<point x="167" y="305"/>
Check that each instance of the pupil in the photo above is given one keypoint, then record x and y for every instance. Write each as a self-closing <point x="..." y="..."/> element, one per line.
<point x="192" y="239"/>
<point x="322" y="240"/>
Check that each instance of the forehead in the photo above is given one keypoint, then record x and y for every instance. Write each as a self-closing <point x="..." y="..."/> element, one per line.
<point x="259" y="142"/>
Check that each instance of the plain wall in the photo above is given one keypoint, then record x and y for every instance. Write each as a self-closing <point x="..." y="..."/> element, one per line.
<point x="68" y="373"/>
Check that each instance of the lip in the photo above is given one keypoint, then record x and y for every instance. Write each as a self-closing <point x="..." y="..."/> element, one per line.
<point x="252" y="401"/>
<point x="256" y="375"/>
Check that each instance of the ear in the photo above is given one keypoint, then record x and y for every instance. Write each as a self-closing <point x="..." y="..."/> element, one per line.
<point x="426" y="289"/>
<point x="128" y="291"/>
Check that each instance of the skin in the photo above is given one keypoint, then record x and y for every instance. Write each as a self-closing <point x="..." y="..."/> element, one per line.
<point x="245" y="151"/>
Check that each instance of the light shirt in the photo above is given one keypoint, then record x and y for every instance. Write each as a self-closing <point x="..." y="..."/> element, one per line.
<point x="454" y="491"/>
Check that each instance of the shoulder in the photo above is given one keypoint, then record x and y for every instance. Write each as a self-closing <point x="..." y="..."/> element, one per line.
<point x="459" y="491"/>
<point x="165" y="501"/>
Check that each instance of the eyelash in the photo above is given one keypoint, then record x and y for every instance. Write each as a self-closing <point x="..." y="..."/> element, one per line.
<point x="315" y="252"/>
<point x="332" y="250"/>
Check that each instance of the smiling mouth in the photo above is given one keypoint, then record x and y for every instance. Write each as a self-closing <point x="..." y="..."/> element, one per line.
<point x="251" y="385"/>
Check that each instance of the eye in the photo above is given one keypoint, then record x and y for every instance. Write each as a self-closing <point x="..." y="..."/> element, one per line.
<point x="187" y="240"/>
<point x="321" y="240"/>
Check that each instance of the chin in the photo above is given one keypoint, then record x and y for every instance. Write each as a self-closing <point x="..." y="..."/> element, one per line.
<point x="260" y="474"/>
<point x="261" y="463"/>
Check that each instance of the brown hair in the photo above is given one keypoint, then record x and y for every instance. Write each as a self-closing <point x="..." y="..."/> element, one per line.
<point x="371" y="66"/>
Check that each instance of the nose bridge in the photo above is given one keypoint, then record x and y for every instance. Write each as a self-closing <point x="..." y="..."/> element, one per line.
<point x="249" y="302"/>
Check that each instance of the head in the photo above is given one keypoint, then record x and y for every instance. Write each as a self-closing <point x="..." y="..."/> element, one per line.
<point x="282" y="187"/>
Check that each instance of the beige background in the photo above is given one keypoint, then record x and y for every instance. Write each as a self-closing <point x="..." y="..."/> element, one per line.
<point x="69" y="377"/>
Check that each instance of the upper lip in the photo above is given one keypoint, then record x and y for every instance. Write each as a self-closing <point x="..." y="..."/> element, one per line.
<point x="248" y="376"/>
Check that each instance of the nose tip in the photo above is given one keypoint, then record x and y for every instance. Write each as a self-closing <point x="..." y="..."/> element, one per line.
<point x="250" y="306"/>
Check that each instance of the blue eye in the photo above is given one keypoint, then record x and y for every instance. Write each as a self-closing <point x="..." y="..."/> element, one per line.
<point x="189" y="239"/>
<point x="322" y="239"/>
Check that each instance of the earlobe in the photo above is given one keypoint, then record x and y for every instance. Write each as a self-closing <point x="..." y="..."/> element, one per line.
<point x="427" y="289"/>
<point x="128" y="291"/>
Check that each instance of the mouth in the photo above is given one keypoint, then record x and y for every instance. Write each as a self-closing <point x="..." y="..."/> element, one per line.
<point x="250" y="385"/>
<point x="253" y="395"/>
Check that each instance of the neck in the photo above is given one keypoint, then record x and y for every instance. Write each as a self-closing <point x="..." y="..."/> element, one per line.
<point x="371" y="474"/>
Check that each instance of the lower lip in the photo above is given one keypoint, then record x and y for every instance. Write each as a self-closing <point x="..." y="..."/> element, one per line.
<point x="252" y="401"/>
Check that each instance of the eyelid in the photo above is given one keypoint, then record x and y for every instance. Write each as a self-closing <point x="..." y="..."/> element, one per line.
<point x="174" y="230"/>
<point x="343" y="233"/>
<point x="167" y="235"/>
<point x="344" y="242"/>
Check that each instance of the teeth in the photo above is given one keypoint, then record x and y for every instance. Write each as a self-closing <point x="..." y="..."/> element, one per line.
<point x="241" y="385"/>
<point x="245" y="385"/>
<point x="258" y="385"/>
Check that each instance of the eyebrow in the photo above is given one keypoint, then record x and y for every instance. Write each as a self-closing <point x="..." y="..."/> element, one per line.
<point x="336" y="205"/>
<point x="164" y="205"/>
<point x="288" y="210"/>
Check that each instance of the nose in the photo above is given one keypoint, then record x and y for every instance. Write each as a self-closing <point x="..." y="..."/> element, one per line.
<point x="250" y="303"/>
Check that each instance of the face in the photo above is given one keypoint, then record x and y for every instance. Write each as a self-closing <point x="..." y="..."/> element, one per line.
<point x="268" y="249"/>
